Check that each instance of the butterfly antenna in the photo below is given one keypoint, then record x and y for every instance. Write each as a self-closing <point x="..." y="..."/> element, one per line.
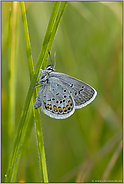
<point x="54" y="59"/>
<point x="50" y="57"/>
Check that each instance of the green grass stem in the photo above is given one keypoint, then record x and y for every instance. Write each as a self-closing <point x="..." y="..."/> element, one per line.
<point x="22" y="127"/>
<point x="11" y="70"/>
<point x="41" y="152"/>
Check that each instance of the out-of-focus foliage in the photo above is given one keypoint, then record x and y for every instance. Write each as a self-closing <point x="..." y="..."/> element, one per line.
<point x="87" y="146"/>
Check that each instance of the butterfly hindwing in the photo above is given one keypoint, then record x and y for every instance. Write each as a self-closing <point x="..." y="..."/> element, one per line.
<point x="56" y="99"/>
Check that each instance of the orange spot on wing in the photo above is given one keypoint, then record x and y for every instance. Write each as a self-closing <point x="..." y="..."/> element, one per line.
<point x="55" y="108"/>
<point x="70" y="103"/>
<point x="68" y="106"/>
<point x="64" y="109"/>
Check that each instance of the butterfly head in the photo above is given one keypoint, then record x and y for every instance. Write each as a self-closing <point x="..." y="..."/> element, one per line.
<point x="50" y="68"/>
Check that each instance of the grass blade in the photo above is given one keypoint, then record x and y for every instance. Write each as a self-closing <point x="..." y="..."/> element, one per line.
<point x="12" y="69"/>
<point x="16" y="152"/>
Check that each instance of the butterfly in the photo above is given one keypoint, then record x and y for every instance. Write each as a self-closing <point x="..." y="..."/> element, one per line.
<point x="60" y="94"/>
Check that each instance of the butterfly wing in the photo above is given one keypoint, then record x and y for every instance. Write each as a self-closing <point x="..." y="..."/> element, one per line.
<point x="57" y="102"/>
<point x="38" y="102"/>
<point x="81" y="92"/>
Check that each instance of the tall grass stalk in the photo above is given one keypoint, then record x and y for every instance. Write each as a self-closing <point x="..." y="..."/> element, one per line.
<point x="55" y="19"/>
<point x="12" y="69"/>
<point x="41" y="152"/>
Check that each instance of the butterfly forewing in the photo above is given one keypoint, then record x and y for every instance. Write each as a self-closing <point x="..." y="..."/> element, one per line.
<point x="81" y="92"/>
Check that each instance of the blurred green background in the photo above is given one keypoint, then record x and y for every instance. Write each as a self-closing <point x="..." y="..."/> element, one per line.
<point x="86" y="147"/>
